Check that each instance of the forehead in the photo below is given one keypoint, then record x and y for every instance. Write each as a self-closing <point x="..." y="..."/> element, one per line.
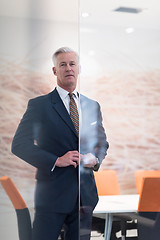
<point x="67" y="57"/>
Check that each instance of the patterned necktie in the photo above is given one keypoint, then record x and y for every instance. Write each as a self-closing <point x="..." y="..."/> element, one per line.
<point x="74" y="112"/>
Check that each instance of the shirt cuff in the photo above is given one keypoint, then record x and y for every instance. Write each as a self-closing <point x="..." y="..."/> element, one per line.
<point x="53" y="166"/>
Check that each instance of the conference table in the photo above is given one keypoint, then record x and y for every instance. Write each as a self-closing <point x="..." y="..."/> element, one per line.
<point x="110" y="205"/>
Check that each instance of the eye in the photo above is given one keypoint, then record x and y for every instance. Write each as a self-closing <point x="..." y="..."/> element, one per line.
<point x="72" y="64"/>
<point x="62" y="64"/>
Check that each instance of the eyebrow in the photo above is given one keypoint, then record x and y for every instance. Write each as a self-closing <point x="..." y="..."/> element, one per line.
<point x="69" y="62"/>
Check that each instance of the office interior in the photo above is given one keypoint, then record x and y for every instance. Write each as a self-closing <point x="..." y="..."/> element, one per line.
<point x="119" y="47"/>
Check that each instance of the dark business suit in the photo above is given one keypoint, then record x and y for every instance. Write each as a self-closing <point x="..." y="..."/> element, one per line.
<point x="45" y="133"/>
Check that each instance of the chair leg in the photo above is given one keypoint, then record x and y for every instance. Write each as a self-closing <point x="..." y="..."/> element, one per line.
<point x="123" y="229"/>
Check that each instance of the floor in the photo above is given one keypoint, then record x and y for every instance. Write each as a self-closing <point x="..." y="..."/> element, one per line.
<point x="97" y="236"/>
<point x="8" y="226"/>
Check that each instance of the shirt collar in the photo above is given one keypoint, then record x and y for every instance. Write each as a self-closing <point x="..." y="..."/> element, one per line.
<point x="63" y="93"/>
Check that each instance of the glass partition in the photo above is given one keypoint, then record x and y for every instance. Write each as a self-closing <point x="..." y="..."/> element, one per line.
<point x="118" y="85"/>
<point x="119" y="53"/>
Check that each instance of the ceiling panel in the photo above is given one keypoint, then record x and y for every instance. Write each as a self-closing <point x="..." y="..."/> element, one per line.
<point x="100" y="12"/>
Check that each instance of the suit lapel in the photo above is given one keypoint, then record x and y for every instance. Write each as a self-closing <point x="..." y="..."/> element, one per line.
<point x="58" y="105"/>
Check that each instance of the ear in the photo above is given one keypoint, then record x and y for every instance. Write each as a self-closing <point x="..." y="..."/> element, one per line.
<point x="54" y="71"/>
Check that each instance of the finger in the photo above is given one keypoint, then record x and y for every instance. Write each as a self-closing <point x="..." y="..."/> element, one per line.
<point x="75" y="153"/>
<point x="87" y="165"/>
<point x="74" y="164"/>
<point x="77" y="162"/>
<point x="75" y="158"/>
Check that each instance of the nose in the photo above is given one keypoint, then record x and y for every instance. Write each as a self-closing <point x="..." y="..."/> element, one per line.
<point x="68" y="67"/>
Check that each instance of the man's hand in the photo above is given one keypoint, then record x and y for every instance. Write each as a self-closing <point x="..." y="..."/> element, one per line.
<point x="70" y="158"/>
<point x="88" y="160"/>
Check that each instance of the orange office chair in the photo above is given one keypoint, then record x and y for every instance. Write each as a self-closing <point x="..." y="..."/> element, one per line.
<point x="23" y="215"/>
<point x="140" y="174"/>
<point x="149" y="200"/>
<point x="148" y="212"/>
<point x="107" y="182"/>
<point x="22" y="212"/>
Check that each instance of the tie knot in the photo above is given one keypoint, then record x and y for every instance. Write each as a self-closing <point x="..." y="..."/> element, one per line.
<point x="71" y="95"/>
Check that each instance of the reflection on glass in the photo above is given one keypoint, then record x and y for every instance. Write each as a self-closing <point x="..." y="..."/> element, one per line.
<point x="93" y="149"/>
<point x="120" y="69"/>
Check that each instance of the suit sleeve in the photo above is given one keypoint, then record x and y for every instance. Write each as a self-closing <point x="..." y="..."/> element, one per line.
<point x="25" y="144"/>
<point x="100" y="149"/>
<point x="93" y="138"/>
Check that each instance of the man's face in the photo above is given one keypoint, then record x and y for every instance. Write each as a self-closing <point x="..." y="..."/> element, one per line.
<point x="67" y="70"/>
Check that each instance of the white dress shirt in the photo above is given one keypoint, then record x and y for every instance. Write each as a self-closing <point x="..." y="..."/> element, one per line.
<point x="66" y="100"/>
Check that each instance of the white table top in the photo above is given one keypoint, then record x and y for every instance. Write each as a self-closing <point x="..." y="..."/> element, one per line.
<point x="117" y="204"/>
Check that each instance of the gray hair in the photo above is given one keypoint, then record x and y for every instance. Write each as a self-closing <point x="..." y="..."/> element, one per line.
<point x="63" y="50"/>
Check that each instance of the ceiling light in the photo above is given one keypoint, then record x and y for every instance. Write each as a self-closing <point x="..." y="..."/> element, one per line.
<point x="85" y="14"/>
<point x="129" y="30"/>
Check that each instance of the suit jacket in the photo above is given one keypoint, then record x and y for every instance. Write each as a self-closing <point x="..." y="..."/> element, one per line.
<point x="45" y="133"/>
